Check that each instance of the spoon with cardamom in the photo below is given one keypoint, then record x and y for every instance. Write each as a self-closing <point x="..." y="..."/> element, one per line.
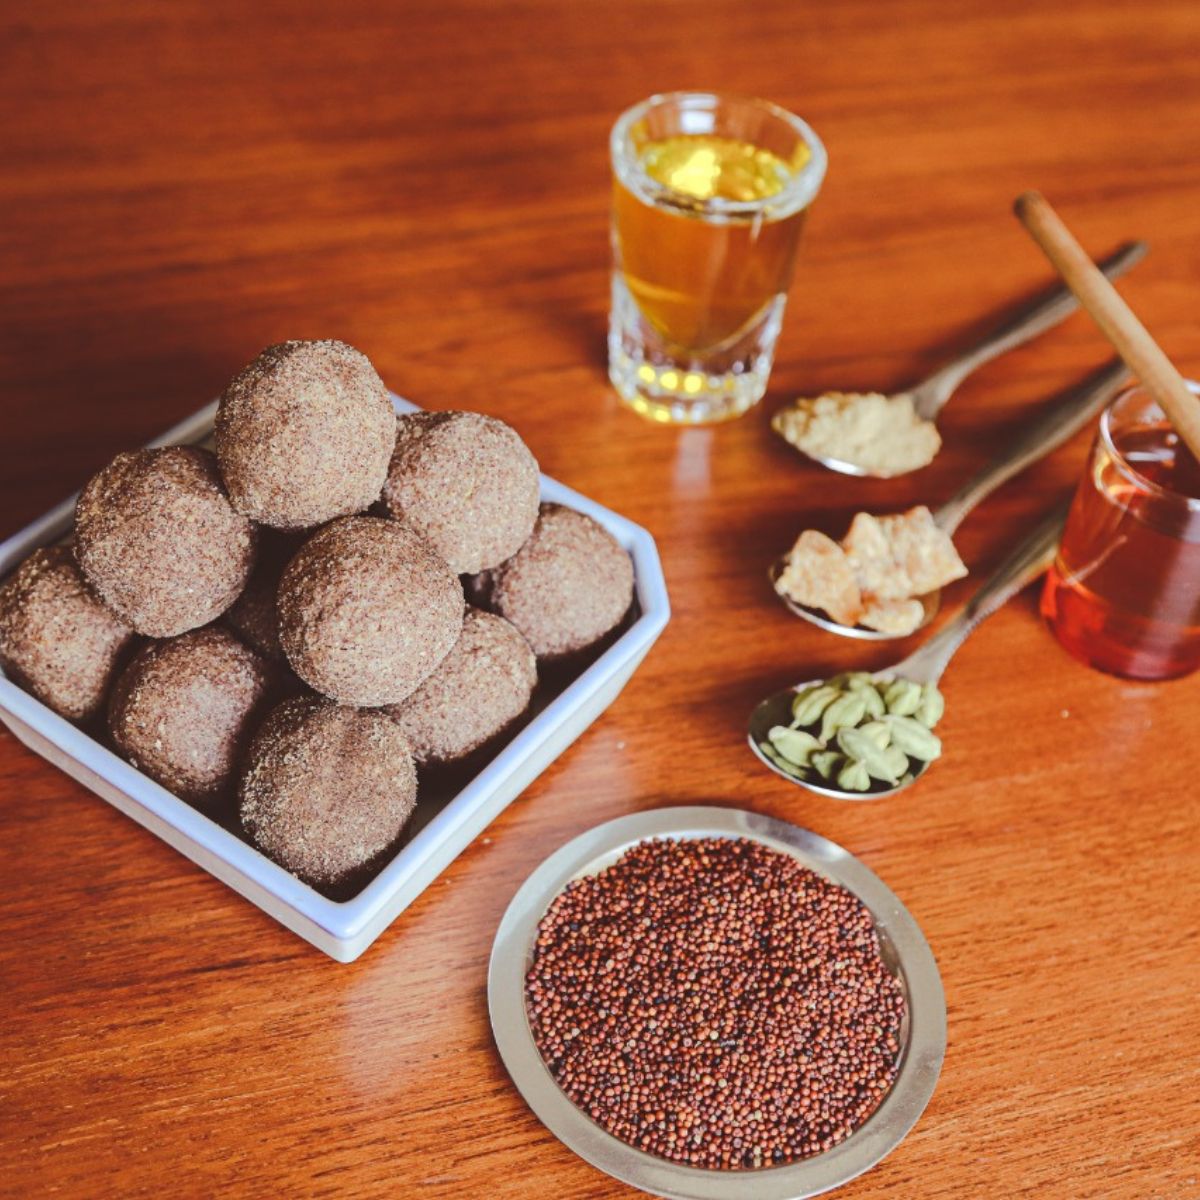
<point x="1043" y="435"/>
<point x="863" y="736"/>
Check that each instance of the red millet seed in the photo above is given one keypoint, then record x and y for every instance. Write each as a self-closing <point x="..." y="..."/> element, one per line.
<point x="714" y="1002"/>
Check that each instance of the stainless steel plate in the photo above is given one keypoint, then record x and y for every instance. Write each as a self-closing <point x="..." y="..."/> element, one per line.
<point x="923" y="1033"/>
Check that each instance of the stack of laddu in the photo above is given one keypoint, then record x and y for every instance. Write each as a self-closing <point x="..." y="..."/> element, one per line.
<point x="284" y="620"/>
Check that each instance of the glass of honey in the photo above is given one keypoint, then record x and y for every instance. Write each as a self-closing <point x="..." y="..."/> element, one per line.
<point x="1124" y="592"/>
<point x="709" y="198"/>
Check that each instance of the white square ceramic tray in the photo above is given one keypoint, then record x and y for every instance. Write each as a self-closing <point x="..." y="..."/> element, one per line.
<point x="344" y="929"/>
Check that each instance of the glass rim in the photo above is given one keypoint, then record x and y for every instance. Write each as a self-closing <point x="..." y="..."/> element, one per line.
<point x="799" y="191"/>
<point x="1168" y="495"/>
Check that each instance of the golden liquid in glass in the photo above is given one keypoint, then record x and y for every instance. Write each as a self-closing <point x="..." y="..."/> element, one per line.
<point x="701" y="281"/>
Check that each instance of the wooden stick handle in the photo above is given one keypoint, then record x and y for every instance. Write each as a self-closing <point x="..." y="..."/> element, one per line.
<point x="1114" y="317"/>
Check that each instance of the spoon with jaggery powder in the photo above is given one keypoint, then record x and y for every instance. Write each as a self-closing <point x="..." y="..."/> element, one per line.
<point x="868" y="433"/>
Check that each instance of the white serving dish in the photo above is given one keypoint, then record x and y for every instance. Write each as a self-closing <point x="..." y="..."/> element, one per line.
<point x="344" y="929"/>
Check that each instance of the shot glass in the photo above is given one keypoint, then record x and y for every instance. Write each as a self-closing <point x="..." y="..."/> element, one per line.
<point x="1124" y="593"/>
<point x="709" y="199"/>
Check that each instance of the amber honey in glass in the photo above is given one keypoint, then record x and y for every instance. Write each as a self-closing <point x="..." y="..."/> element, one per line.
<point x="709" y="199"/>
<point x="1124" y="593"/>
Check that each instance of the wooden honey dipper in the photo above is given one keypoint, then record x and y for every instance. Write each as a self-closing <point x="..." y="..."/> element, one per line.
<point x="1115" y="318"/>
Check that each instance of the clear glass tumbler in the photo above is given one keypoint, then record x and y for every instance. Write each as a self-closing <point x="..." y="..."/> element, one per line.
<point x="1124" y="593"/>
<point x="709" y="199"/>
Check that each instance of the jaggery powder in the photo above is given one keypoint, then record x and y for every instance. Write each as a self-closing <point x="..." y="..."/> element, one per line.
<point x="716" y="1003"/>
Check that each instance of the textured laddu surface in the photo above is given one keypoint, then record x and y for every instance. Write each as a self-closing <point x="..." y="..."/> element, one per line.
<point x="158" y="539"/>
<point x="367" y="611"/>
<point x="467" y="483"/>
<point x="327" y="788"/>
<point x="304" y="434"/>
<point x="57" y="636"/>
<point x="569" y="585"/>
<point x="254" y="616"/>
<point x="183" y="710"/>
<point x="482" y="686"/>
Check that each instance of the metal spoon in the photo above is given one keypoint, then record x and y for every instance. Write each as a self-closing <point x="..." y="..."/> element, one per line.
<point x="930" y="395"/>
<point x="926" y="665"/>
<point x="1033" y="443"/>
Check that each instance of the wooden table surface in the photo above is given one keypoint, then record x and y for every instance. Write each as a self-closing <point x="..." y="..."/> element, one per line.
<point x="185" y="183"/>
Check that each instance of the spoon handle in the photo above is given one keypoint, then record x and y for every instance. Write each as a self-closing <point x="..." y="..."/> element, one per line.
<point x="1044" y="313"/>
<point x="1029" y="560"/>
<point x="1035" y="441"/>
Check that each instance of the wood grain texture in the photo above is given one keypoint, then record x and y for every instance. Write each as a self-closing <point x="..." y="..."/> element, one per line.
<point x="184" y="183"/>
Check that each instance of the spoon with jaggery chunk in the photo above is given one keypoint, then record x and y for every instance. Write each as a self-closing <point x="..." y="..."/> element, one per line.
<point x="862" y="736"/>
<point x="884" y="578"/>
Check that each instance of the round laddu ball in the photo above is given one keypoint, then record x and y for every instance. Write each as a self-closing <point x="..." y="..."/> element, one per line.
<point x="304" y="434"/>
<point x="157" y="537"/>
<point x="57" y="637"/>
<point x="327" y="788"/>
<point x="467" y="483"/>
<point x="253" y="616"/>
<point x="569" y="585"/>
<point x="481" y="687"/>
<point x="367" y="611"/>
<point x="183" y="710"/>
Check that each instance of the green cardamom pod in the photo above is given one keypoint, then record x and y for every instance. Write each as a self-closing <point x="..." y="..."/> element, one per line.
<point x="897" y="760"/>
<point x="846" y="711"/>
<point x="809" y="704"/>
<point x="782" y="763"/>
<point x="851" y="681"/>
<point x="914" y="739"/>
<point x="873" y="700"/>
<point x="902" y="697"/>
<point x="880" y="732"/>
<point x="933" y="705"/>
<point x="854" y="777"/>
<point x="827" y="763"/>
<point x="794" y="744"/>
<point x="862" y="748"/>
